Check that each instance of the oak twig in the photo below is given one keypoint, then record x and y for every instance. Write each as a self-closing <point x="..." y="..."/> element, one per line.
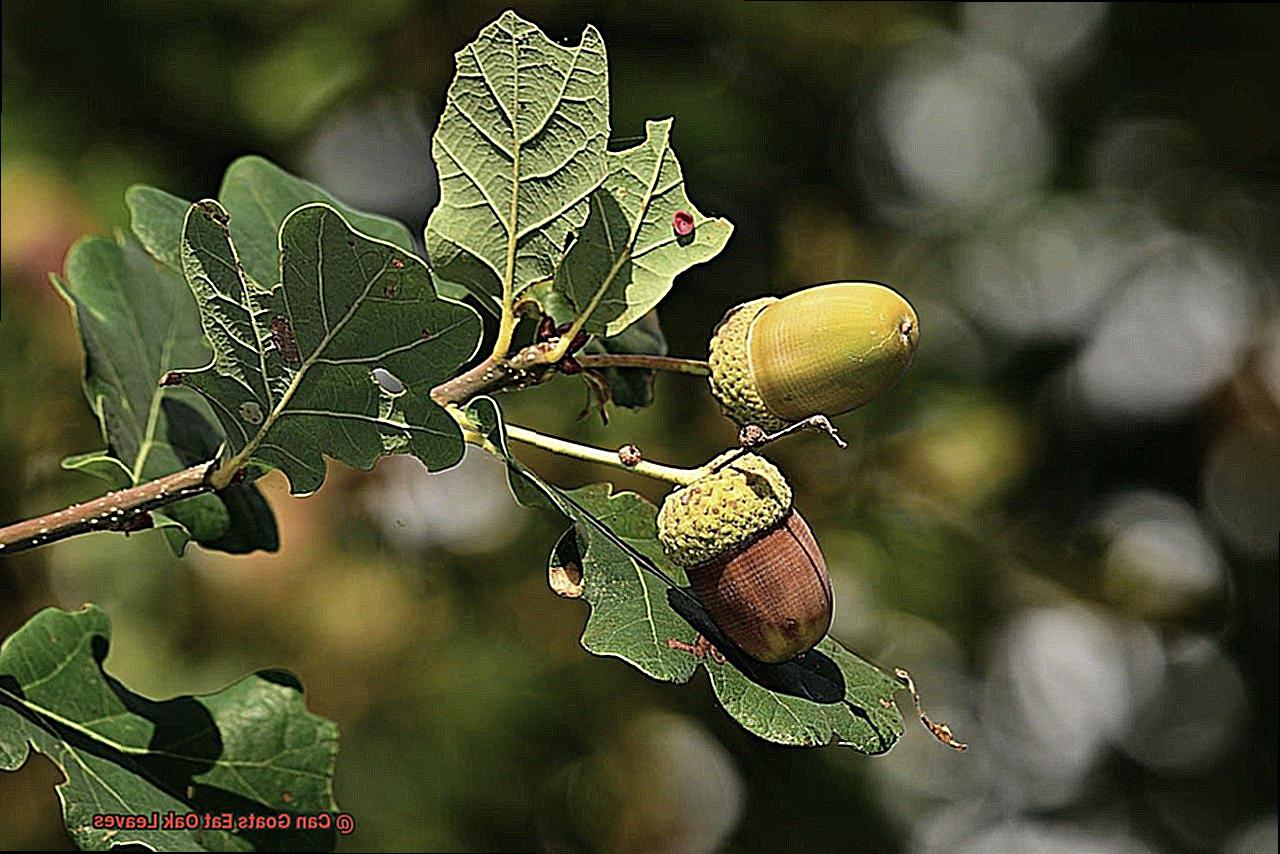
<point x="626" y="458"/>
<point x="115" y="511"/>
<point x="125" y="509"/>
<point x="753" y="436"/>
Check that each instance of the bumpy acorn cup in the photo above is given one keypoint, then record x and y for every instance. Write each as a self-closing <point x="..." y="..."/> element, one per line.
<point x="823" y="350"/>
<point x="750" y="558"/>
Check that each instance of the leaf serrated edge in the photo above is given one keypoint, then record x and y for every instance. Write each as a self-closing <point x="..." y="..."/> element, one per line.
<point x="226" y="471"/>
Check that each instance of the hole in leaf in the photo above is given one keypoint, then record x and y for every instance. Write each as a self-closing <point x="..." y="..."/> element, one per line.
<point x="390" y="383"/>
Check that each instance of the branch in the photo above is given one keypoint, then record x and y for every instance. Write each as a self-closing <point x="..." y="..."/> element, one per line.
<point x="752" y="437"/>
<point x="125" y="510"/>
<point x="526" y="368"/>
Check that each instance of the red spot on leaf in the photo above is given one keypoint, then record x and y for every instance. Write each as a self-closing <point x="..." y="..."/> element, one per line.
<point x="700" y="649"/>
<point x="682" y="223"/>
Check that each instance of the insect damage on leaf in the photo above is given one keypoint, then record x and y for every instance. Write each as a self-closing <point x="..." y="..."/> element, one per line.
<point x="701" y="648"/>
<point x="566" y="580"/>
<point x="682" y="223"/>
<point x="291" y="376"/>
<point x="282" y="337"/>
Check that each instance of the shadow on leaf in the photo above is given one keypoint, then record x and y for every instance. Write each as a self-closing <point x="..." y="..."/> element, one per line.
<point x="812" y="676"/>
<point x="185" y="743"/>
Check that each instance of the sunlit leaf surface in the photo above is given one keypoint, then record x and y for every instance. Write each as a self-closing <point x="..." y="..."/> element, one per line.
<point x="519" y="149"/>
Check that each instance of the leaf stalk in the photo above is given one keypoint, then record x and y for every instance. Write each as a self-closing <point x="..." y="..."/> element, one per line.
<point x="692" y="367"/>
<point x="601" y="456"/>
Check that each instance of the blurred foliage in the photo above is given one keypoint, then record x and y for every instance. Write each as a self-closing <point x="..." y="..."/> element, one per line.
<point x="1064" y="521"/>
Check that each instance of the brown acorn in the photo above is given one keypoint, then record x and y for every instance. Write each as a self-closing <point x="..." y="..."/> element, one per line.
<point x="822" y="350"/>
<point x="750" y="558"/>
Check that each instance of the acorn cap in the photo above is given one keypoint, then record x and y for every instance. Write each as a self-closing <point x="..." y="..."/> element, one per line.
<point x="826" y="349"/>
<point x="723" y="510"/>
<point x="731" y="381"/>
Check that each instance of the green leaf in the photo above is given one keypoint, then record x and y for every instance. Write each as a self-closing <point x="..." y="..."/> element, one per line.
<point x="642" y="613"/>
<point x="630" y="618"/>
<point x="519" y="149"/>
<point x="250" y="748"/>
<point x="137" y="320"/>
<point x="291" y="378"/>
<point x="632" y="387"/>
<point x="628" y="254"/>
<point x="258" y="195"/>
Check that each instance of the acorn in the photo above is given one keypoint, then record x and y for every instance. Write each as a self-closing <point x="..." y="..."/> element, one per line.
<point x="822" y="350"/>
<point x="750" y="557"/>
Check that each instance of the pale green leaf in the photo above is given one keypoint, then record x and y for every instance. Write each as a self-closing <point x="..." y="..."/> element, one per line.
<point x="519" y="149"/>
<point x="137" y="321"/>
<point x="291" y="378"/>
<point x="258" y="195"/>
<point x="250" y="748"/>
<point x="628" y="254"/>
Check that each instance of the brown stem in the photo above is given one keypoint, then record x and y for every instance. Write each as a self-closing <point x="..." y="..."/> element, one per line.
<point x="115" y="511"/>
<point x="527" y="367"/>
<point x="695" y="367"/>
<point x="126" y="509"/>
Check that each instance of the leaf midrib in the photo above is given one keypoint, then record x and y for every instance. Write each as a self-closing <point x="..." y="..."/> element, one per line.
<point x="631" y="240"/>
<point x="153" y="411"/>
<point x="508" y="280"/>
<point x="129" y="750"/>
<point x="243" y="457"/>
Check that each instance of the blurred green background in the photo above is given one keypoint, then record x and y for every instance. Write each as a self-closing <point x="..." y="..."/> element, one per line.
<point x="1064" y="521"/>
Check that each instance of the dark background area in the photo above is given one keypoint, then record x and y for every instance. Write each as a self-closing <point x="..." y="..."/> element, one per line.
<point x="1064" y="521"/>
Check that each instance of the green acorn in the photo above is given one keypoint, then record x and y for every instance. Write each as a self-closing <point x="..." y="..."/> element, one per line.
<point x="750" y="558"/>
<point x="822" y="350"/>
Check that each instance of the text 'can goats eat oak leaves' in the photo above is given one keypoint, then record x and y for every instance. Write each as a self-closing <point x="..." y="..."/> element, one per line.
<point x="827" y="695"/>
<point x="291" y="378"/>
<point x="137" y="321"/>
<point x="250" y="748"/>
